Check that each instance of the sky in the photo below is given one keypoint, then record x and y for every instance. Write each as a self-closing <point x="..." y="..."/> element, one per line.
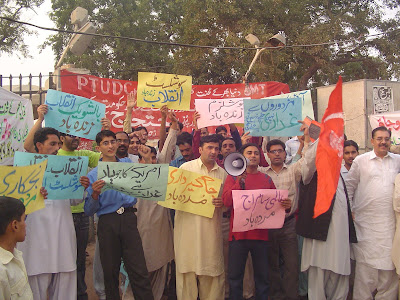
<point x="42" y="62"/>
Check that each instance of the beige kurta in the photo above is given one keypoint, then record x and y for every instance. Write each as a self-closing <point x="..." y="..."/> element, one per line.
<point x="156" y="232"/>
<point x="154" y="223"/>
<point x="197" y="239"/>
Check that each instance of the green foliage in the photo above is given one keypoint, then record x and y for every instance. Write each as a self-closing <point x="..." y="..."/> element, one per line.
<point x="226" y="23"/>
<point x="11" y="34"/>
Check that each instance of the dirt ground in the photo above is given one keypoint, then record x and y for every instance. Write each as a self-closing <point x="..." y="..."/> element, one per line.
<point x="89" y="272"/>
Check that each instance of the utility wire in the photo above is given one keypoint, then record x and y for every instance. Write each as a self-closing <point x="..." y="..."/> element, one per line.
<point x="195" y="46"/>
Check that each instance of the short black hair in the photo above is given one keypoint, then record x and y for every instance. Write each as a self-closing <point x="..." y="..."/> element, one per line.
<point x="41" y="135"/>
<point x="350" y="143"/>
<point x="122" y="132"/>
<point x="184" y="138"/>
<point x="381" y="128"/>
<point x="10" y="209"/>
<point x="140" y="128"/>
<point x="213" y="138"/>
<point x="152" y="150"/>
<point x="230" y="138"/>
<point x="220" y="128"/>
<point x="243" y="148"/>
<point x="104" y="133"/>
<point x="275" y="142"/>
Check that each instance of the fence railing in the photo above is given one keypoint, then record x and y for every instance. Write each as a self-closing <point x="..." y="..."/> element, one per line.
<point x="24" y="85"/>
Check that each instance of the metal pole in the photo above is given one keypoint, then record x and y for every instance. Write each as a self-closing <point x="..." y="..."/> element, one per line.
<point x="258" y="52"/>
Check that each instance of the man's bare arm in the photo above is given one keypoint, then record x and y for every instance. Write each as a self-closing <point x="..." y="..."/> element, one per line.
<point x="28" y="144"/>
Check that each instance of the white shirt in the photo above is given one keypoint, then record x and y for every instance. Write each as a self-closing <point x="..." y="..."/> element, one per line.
<point x="13" y="279"/>
<point x="50" y="242"/>
<point x="134" y="158"/>
<point x="334" y="253"/>
<point x="291" y="146"/>
<point x="370" y="184"/>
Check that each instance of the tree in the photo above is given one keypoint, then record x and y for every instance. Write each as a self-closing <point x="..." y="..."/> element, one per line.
<point x="226" y="23"/>
<point x="11" y="33"/>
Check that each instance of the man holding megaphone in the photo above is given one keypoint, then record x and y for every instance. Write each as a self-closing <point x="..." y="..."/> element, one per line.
<point x="244" y="174"/>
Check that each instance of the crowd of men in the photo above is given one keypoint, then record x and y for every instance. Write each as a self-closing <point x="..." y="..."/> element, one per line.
<point x="178" y="255"/>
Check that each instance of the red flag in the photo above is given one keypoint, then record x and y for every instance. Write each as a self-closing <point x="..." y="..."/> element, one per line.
<point x="330" y="151"/>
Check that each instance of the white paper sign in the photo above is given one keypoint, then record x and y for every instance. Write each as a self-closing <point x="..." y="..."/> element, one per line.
<point x="16" y="119"/>
<point x="215" y="112"/>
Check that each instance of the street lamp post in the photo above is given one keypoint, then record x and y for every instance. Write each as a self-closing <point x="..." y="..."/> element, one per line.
<point x="78" y="43"/>
<point x="277" y="41"/>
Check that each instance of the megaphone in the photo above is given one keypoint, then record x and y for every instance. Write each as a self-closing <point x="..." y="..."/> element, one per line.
<point x="235" y="164"/>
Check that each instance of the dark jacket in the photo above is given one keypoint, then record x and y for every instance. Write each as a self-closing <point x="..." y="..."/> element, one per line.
<point x="317" y="228"/>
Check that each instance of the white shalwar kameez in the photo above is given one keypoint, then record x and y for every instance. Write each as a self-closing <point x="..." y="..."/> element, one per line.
<point x="370" y="185"/>
<point x="49" y="251"/>
<point x="328" y="261"/>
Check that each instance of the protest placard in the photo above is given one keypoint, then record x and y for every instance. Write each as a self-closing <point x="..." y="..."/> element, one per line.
<point x="258" y="209"/>
<point x="191" y="192"/>
<point x="215" y="112"/>
<point x="74" y="115"/>
<point x="272" y="117"/>
<point x="113" y="93"/>
<point x="16" y="119"/>
<point x="307" y="109"/>
<point x="157" y="89"/>
<point x="24" y="183"/>
<point x="390" y="120"/>
<point x="145" y="181"/>
<point x="61" y="179"/>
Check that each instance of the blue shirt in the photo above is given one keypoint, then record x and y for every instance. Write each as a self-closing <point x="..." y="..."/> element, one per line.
<point x="177" y="162"/>
<point x="109" y="201"/>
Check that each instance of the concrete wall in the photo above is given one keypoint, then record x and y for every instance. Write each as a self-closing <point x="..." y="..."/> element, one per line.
<point x="357" y="105"/>
<point x="353" y="106"/>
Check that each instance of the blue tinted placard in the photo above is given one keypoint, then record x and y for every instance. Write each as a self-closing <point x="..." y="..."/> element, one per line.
<point x="61" y="179"/>
<point x="73" y="114"/>
<point x="272" y="117"/>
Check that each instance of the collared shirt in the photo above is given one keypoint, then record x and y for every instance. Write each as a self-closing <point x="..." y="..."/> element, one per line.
<point x="370" y="185"/>
<point x="197" y="239"/>
<point x="109" y="201"/>
<point x="13" y="278"/>
<point x="288" y="178"/>
<point x="177" y="162"/>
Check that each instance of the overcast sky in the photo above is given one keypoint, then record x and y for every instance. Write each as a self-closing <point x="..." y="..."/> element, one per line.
<point x="41" y="62"/>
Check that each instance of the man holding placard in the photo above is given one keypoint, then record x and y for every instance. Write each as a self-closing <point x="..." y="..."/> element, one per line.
<point x="200" y="264"/>
<point x="156" y="234"/>
<point x="70" y="143"/>
<point x="117" y="231"/>
<point x="51" y="269"/>
<point x="254" y="241"/>
<point x="284" y="240"/>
